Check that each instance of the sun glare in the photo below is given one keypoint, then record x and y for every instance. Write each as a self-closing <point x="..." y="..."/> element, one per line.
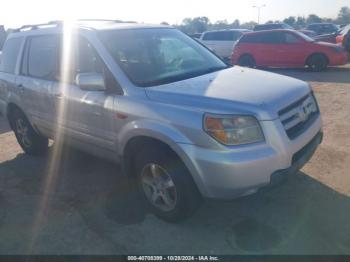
<point x="55" y="161"/>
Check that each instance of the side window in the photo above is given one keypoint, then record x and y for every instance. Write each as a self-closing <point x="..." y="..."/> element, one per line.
<point x="211" y="36"/>
<point x="290" y="38"/>
<point x="42" y="60"/>
<point x="272" y="38"/>
<point x="10" y="55"/>
<point x="82" y="59"/>
<point x="87" y="60"/>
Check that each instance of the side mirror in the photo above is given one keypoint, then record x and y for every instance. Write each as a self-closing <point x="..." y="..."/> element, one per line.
<point x="91" y="81"/>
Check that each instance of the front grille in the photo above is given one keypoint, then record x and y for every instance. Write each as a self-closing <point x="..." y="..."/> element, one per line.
<point x="299" y="116"/>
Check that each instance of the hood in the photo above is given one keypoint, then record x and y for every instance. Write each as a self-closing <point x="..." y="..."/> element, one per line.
<point x="234" y="90"/>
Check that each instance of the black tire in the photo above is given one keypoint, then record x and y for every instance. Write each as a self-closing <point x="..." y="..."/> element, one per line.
<point x="34" y="143"/>
<point x="317" y="63"/>
<point x="187" y="198"/>
<point x="247" y="61"/>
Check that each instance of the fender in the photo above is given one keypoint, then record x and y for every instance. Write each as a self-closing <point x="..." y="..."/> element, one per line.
<point x="153" y="129"/>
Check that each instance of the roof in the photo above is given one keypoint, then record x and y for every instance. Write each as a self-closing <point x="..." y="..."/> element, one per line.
<point x="92" y="24"/>
<point x="271" y="30"/>
<point x="228" y="30"/>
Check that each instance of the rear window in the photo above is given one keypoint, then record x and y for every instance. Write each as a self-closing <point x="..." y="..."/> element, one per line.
<point x="222" y="36"/>
<point x="10" y="55"/>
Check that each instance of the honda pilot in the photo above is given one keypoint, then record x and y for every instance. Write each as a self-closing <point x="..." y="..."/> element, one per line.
<point x="183" y="124"/>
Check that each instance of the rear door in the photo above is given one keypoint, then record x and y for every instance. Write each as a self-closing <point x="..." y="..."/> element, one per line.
<point x="8" y="69"/>
<point x="37" y="74"/>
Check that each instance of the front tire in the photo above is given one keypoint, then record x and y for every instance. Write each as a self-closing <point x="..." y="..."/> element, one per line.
<point x="30" y="141"/>
<point x="317" y="63"/>
<point x="167" y="185"/>
<point x="247" y="61"/>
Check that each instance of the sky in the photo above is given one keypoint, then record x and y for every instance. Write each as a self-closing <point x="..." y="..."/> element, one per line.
<point x="14" y="13"/>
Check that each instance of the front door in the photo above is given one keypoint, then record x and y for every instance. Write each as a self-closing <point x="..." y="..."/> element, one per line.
<point x="85" y="116"/>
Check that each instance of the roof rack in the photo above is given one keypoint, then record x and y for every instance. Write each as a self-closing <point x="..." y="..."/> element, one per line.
<point x="60" y="23"/>
<point x="37" y="26"/>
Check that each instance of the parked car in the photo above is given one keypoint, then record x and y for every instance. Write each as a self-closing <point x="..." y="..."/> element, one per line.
<point x="286" y="48"/>
<point x="222" y="41"/>
<point x="271" y="26"/>
<point x="323" y="28"/>
<point x="342" y="33"/>
<point x="179" y="120"/>
<point x="309" y="33"/>
<point x="196" y="35"/>
<point x="334" y="38"/>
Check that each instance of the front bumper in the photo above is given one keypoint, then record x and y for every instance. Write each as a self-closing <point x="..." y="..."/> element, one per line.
<point x="339" y="59"/>
<point x="299" y="160"/>
<point x="235" y="172"/>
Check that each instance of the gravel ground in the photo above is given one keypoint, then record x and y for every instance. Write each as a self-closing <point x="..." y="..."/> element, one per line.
<point x="89" y="209"/>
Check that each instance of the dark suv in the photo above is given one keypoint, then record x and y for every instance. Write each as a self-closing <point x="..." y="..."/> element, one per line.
<point x="323" y="28"/>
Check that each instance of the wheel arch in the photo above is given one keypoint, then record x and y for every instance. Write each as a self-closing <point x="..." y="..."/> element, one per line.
<point x="317" y="53"/>
<point x="10" y="108"/>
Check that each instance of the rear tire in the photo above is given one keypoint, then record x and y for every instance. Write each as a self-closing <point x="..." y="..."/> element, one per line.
<point x="247" y="61"/>
<point x="167" y="184"/>
<point x="30" y="141"/>
<point x="317" y="63"/>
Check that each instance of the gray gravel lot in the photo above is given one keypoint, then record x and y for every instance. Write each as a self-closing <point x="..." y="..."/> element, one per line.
<point x="88" y="208"/>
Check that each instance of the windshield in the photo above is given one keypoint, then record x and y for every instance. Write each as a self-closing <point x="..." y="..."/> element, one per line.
<point x="159" y="56"/>
<point x="305" y="37"/>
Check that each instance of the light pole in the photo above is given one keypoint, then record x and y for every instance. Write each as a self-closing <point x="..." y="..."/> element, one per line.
<point x="259" y="8"/>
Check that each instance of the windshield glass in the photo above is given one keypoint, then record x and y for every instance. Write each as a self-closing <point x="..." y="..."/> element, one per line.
<point x="305" y="37"/>
<point x="159" y="56"/>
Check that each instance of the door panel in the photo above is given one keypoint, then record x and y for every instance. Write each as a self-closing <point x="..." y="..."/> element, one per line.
<point x="85" y="116"/>
<point x="35" y="100"/>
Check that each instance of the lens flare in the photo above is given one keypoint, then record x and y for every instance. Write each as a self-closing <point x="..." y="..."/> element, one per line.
<point x="60" y="119"/>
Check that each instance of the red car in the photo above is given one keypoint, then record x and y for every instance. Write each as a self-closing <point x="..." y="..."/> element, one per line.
<point x="286" y="48"/>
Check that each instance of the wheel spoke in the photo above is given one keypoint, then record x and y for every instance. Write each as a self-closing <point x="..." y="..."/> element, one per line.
<point x="147" y="181"/>
<point x="155" y="197"/>
<point x="167" y="199"/>
<point x="159" y="187"/>
<point x="154" y="170"/>
<point x="168" y="184"/>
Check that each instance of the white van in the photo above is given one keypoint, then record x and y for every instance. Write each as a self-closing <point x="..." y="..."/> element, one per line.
<point x="222" y="41"/>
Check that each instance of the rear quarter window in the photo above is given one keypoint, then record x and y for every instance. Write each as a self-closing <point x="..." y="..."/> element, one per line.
<point x="10" y="54"/>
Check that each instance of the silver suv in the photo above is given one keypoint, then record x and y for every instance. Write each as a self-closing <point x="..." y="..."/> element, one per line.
<point x="181" y="122"/>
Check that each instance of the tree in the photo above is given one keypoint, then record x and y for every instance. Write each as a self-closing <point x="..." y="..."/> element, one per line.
<point x="164" y="23"/>
<point x="290" y="21"/>
<point x="236" y="24"/>
<point x="313" y="19"/>
<point x="249" y="25"/>
<point x="344" y="15"/>
<point x="300" y="22"/>
<point x="221" y="24"/>
<point x="195" y="25"/>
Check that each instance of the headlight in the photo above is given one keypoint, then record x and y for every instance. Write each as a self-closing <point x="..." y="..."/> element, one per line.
<point x="233" y="130"/>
